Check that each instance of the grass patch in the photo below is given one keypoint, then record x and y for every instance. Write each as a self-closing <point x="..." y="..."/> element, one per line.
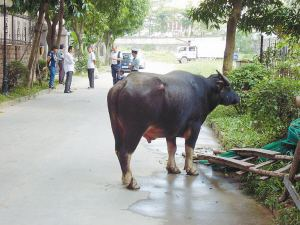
<point x="244" y="56"/>
<point x="236" y="130"/>
<point x="203" y="67"/>
<point x="23" y="91"/>
<point x="160" y="56"/>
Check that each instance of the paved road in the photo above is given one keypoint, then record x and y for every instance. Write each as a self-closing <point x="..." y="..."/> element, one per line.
<point x="57" y="166"/>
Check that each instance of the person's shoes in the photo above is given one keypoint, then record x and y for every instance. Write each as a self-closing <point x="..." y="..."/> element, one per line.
<point x="90" y="87"/>
<point x="68" y="92"/>
<point x="53" y="88"/>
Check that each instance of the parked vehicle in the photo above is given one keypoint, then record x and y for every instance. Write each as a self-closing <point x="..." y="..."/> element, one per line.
<point x="126" y="62"/>
<point x="186" y="53"/>
<point x="142" y="60"/>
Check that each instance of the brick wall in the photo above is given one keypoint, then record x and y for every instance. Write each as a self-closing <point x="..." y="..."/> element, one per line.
<point x="14" y="52"/>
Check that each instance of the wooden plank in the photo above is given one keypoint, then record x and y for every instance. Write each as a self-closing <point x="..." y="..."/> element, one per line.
<point x="283" y="169"/>
<point x="264" y="163"/>
<point x="292" y="191"/>
<point x="293" y="171"/>
<point x="256" y="150"/>
<point x="247" y="159"/>
<point x="266" y="172"/>
<point x="261" y="153"/>
<point x="226" y="161"/>
<point x="257" y="166"/>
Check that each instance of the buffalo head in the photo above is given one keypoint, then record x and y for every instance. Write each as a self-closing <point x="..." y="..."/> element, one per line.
<point x="226" y="94"/>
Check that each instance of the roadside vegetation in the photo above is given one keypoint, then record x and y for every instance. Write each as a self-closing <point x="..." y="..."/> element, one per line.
<point x="22" y="91"/>
<point x="17" y="73"/>
<point x="267" y="107"/>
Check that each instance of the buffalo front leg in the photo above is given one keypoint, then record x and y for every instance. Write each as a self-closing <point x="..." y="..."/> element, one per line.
<point x="171" y="165"/>
<point x="127" y="178"/>
<point x="189" y="166"/>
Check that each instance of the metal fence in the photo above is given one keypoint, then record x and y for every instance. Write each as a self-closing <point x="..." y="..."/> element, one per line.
<point x="20" y="29"/>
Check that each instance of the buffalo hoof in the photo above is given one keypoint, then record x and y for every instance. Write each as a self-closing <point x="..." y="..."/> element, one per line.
<point x="192" y="172"/>
<point x="133" y="185"/>
<point x="173" y="170"/>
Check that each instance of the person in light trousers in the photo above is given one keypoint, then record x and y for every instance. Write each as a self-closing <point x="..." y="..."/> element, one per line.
<point x="69" y="69"/>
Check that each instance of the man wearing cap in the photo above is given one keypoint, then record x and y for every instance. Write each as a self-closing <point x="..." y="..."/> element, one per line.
<point x="115" y="58"/>
<point x="135" y="62"/>
<point x="60" y="56"/>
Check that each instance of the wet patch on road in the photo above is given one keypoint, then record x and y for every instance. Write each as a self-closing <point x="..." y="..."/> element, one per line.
<point x="206" y="199"/>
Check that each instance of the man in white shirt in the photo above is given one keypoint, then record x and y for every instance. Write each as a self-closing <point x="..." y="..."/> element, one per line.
<point x="69" y="69"/>
<point x="115" y="58"/>
<point x="135" y="62"/>
<point x="91" y="66"/>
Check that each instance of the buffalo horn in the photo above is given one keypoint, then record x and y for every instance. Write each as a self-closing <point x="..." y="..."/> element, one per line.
<point x="224" y="78"/>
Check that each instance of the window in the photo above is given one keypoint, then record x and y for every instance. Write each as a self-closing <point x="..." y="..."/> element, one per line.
<point x="182" y="49"/>
<point x="192" y="48"/>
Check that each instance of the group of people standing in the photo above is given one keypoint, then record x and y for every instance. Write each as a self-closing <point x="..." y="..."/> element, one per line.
<point x="66" y="65"/>
<point x="116" y="58"/>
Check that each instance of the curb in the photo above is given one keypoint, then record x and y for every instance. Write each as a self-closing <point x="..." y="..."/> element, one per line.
<point x="216" y="131"/>
<point x="21" y="99"/>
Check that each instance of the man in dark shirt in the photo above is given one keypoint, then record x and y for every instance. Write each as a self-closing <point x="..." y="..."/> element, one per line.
<point x="52" y="59"/>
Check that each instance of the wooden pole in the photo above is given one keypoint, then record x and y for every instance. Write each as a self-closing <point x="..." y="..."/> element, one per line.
<point x="293" y="171"/>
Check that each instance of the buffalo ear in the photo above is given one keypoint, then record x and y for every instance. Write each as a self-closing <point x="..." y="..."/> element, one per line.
<point x="225" y="79"/>
<point x="220" y="84"/>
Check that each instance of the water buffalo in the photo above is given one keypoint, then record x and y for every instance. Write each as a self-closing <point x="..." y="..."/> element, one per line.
<point x="155" y="106"/>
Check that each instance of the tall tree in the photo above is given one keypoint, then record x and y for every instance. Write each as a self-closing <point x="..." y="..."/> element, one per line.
<point x="33" y="7"/>
<point x="261" y="15"/>
<point x="54" y="16"/>
<point x="127" y="19"/>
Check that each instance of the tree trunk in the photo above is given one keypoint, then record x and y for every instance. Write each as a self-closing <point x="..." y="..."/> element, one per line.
<point x="51" y="24"/>
<point x="230" y="35"/>
<point x="108" y="40"/>
<point x="60" y="24"/>
<point x="36" y="41"/>
<point x="78" y="31"/>
<point x="261" y="52"/>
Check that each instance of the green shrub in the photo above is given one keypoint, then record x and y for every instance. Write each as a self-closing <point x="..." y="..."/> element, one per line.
<point x="244" y="79"/>
<point x="17" y="73"/>
<point x="42" y="64"/>
<point x="81" y="63"/>
<point x="41" y="70"/>
<point x="272" y="103"/>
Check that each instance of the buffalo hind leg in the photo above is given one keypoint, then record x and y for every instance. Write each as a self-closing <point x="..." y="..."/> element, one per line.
<point x="171" y="165"/>
<point x="127" y="145"/>
<point x="127" y="179"/>
<point x="189" y="166"/>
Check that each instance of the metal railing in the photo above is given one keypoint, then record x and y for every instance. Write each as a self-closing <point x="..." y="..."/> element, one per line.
<point x="20" y="29"/>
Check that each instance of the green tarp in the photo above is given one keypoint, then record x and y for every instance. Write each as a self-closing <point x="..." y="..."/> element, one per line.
<point x="285" y="146"/>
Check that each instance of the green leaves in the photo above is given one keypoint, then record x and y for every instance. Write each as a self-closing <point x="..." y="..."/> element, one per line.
<point x="269" y="16"/>
<point x="272" y="103"/>
<point x="244" y="79"/>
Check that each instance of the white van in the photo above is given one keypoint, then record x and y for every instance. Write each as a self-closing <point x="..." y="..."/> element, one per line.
<point x="186" y="53"/>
